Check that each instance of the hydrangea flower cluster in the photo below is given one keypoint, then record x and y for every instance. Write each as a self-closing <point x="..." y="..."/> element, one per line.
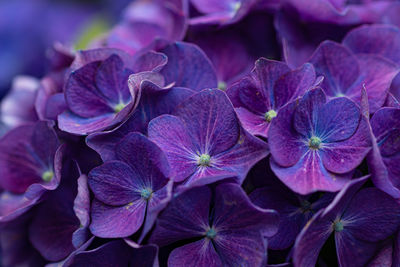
<point x="210" y="133"/>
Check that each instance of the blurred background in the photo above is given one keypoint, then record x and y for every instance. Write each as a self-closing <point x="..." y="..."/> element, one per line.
<point x="29" y="27"/>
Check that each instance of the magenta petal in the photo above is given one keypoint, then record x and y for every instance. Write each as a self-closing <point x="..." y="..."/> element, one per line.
<point x="169" y="134"/>
<point x="309" y="175"/>
<point x="344" y="156"/>
<point x="337" y="64"/>
<point x="112" y="222"/>
<point x="201" y="252"/>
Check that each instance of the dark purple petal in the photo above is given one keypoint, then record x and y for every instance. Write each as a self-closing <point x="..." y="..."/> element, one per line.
<point x="121" y="221"/>
<point x="149" y="61"/>
<point x="306" y="113"/>
<point x="74" y="124"/>
<point x="337" y="120"/>
<point x="344" y="156"/>
<point x="337" y="64"/>
<point x="310" y="240"/>
<point x="185" y="217"/>
<point x="210" y="120"/>
<point x="188" y="67"/>
<point x="201" y="252"/>
<point x="115" y="183"/>
<point x="375" y="39"/>
<point x="293" y="84"/>
<point x="372" y="215"/>
<point x="169" y="134"/>
<point x="284" y="142"/>
<point x="253" y="123"/>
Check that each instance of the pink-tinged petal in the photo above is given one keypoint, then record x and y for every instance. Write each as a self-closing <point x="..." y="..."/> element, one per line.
<point x="338" y="120"/>
<point x="71" y="123"/>
<point x="113" y="222"/>
<point x="169" y="134"/>
<point x="111" y="80"/>
<point x="338" y="65"/>
<point x="285" y="143"/>
<point x="115" y="183"/>
<point x="293" y="84"/>
<point x="306" y="113"/>
<point x="345" y="156"/>
<point x="81" y="94"/>
<point x="376" y="74"/>
<point x="375" y="39"/>
<point x="199" y="253"/>
<point x="372" y="215"/>
<point x="210" y="120"/>
<point x="310" y="240"/>
<point x="309" y="175"/>
<point x="240" y="158"/>
<point x="352" y="251"/>
<point x="186" y="216"/>
<point x="188" y="67"/>
<point x="240" y="247"/>
<point x="253" y="123"/>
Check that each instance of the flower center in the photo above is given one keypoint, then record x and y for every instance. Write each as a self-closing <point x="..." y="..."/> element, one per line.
<point x="146" y="193"/>
<point x="204" y="160"/>
<point x="222" y="85"/>
<point x="314" y="142"/>
<point x="338" y="226"/>
<point x="47" y="176"/>
<point x="211" y="233"/>
<point x="119" y="107"/>
<point x="270" y="115"/>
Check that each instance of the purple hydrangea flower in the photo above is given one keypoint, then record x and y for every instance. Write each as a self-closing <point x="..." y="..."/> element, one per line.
<point x="384" y="158"/>
<point x="188" y="70"/>
<point x="227" y="226"/>
<point x="97" y="94"/>
<point x="316" y="144"/>
<point x="294" y="211"/>
<point x="345" y="73"/>
<point x="129" y="189"/>
<point x="258" y="97"/>
<point x="204" y="138"/>
<point x="359" y="219"/>
<point x="30" y="164"/>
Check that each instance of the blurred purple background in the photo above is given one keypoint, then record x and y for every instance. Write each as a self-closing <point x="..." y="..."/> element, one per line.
<point x="29" y="27"/>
